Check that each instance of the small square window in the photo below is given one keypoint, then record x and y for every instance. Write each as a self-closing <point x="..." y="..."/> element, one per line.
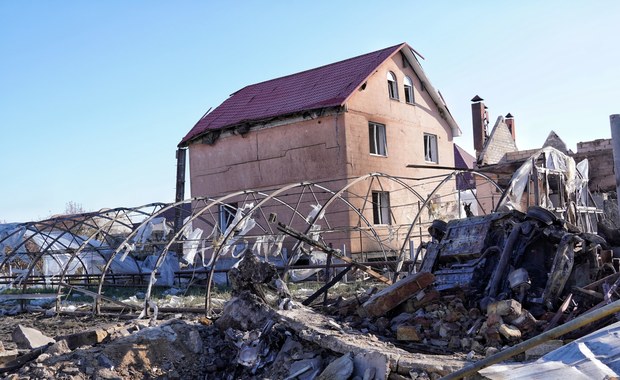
<point x="377" y="139"/>
<point x="430" y="148"/>
<point x="381" y="207"/>
<point x="227" y="215"/>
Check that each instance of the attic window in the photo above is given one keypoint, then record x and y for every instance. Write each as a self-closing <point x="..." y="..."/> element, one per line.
<point x="408" y="90"/>
<point x="392" y="85"/>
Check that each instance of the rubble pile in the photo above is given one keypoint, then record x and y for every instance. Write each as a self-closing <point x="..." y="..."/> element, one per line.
<point x="486" y="283"/>
<point x="490" y="282"/>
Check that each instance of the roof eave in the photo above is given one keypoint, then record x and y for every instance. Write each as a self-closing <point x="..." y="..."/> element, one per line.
<point x="185" y="142"/>
<point x="456" y="131"/>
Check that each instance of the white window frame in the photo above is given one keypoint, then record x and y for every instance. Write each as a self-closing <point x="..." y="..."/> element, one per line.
<point x="381" y="208"/>
<point x="377" y="139"/>
<point x="408" y="90"/>
<point x="227" y="214"/>
<point x="431" y="153"/>
<point x="392" y="85"/>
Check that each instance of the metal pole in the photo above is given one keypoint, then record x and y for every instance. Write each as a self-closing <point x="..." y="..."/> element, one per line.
<point x="576" y="323"/>
<point x="614" y="121"/>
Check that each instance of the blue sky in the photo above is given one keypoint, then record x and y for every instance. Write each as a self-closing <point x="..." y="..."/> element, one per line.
<point x="95" y="95"/>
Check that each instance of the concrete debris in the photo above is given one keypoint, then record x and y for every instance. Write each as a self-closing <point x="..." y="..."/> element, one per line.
<point x="339" y="369"/>
<point x="29" y="338"/>
<point x="487" y="285"/>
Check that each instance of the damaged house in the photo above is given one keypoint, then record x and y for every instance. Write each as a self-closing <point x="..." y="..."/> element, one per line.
<point x="373" y="113"/>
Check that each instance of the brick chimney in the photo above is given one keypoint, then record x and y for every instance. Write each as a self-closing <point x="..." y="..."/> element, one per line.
<point x="510" y="122"/>
<point x="480" y="121"/>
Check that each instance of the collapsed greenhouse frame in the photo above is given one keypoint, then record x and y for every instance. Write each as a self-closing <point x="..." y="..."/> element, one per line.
<point x="138" y="247"/>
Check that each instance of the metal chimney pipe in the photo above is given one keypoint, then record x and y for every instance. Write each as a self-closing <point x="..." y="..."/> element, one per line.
<point x="614" y="121"/>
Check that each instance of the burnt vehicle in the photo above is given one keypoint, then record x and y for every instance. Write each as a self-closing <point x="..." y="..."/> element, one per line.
<point x="535" y="257"/>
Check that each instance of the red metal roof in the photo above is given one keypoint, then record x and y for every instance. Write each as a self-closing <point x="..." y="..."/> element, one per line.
<point x="325" y="86"/>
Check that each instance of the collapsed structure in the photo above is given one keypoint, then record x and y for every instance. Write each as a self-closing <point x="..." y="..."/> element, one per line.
<point x="473" y="285"/>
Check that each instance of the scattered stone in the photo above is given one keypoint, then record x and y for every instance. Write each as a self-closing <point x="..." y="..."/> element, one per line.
<point x="29" y="338"/>
<point x="382" y="324"/>
<point x="194" y="343"/>
<point x="525" y="322"/>
<point x="339" y="369"/>
<point x="510" y="309"/>
<point x="543" y="349"/>
<point x="86" y="338"/>
<point x="490" y="351"/>
<point x="58" y="348"/>
<point x="407" y="333"/>
<point x="371" y="362"/>
<point x="245" y="312"/>
<point x="43" y="357"/>
<point x="105" y="362"/>
<point x="510" y="332"/>
<point x="305" y="369"/>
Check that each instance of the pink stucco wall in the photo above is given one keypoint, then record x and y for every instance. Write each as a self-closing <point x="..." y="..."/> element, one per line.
<point x="330" y="147"/>
<point x="268" y="157"/>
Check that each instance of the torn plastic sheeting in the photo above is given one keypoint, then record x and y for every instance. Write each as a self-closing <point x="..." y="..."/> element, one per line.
<point x="11" y="236"/>
<point x="91" y="262"/>
<point x="243" y="226"/>
<point x="312" y="216"/>
<point x="190" y="246"/>
<point x="583" y="168"/>
<point x="317" y="258"/>
<point x="595" y="356"/>
<point x="267" y="245"/>
<point x="555" y="160"/>
<point x="54" y="240"/>
<point x="145" y="231"/>
<point x="166" y="270"/>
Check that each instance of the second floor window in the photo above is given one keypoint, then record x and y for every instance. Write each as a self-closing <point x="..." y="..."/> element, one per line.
<point x="392" y="85"/>
<point x="378" y="141"/>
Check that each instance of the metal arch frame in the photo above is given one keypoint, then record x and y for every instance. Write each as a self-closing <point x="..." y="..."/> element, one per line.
<point x="427" y="200"/>
<point x="216" y="253"/>
<point x="80" y="220"/>
<point x="338" y="195"/>
<point x="38" y="255"/>
<point x="125" y="243"/>
<point x="121" y="214"/>
<point x="274" y="196"/>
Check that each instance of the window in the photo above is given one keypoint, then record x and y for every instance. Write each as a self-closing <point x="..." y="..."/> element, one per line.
<point x="378" y="142"/>
<point x="408" y="90"/>
<point x="430" y="148"/>
<point x="392" y="85"/>
<point x="227" y="215"/>
<point x="381" y="207"/>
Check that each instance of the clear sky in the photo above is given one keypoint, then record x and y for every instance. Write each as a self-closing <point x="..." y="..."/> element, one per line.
<point x="95" y="95"/>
